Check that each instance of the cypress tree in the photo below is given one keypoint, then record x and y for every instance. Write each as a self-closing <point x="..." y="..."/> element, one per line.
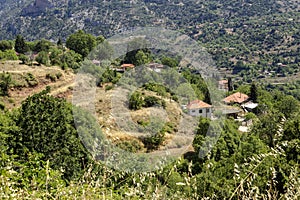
<point x="253" y="92"/>
<point x="20" y="45"/>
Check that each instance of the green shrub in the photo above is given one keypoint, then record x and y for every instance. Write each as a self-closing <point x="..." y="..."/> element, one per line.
<point x="143" y="123"/>
<point x="5" y="83"/>
<point x="150" y="101"/>
<point x="52" y="77"/>
<point x="2" y="106"/>
<point x="153" y="142"/>
<point x="136" y="101"/>
<point x="23" y="58"/>
<point x="58" y="75"/>
<point x="6" y="45"/>
<point x="169" y="127"/>
<point x="109" y="87"/>
<point x="43" y="58"/>
<point x="10" y="100"/>
<point x="159" y="89"/>
<point x="132" y="146"/>
<point x="31" y="80"/>
<point x="8" y="55"/>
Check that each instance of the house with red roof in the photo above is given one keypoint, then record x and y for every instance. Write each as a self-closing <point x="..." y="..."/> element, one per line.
<point x="127" y="66"/>
<point x="237" y="97"/>
<point x="199" y="108"/>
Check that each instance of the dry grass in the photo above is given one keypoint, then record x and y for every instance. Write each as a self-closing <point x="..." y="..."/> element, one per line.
<point x="23" y="90"/>
<point x="121" y="124"/>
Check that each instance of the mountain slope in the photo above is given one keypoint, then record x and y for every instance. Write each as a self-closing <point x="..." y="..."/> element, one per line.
<point x="52" y="18"/>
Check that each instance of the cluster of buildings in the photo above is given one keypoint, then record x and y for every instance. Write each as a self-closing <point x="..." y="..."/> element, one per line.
<point x="234" y="106"/>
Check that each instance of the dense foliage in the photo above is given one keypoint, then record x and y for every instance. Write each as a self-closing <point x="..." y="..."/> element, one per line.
<point x="45" y="126"/>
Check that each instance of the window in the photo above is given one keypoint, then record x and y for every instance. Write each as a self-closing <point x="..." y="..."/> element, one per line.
<point x="200" y="110"/>
<point x="193" y="111"/>
<point x="207" y="110"/>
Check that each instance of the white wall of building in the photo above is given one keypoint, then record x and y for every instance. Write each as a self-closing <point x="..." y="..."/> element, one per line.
<point x="204" y="112"/>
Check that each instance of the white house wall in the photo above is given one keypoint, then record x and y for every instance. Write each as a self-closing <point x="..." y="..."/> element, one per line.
<point x="196" y="113"/>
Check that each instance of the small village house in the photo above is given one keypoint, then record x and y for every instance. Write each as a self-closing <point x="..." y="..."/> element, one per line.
<point x="199" y="108"/>
<point x="156" y="67"/>
<point x="236" y="98"/>
<point x="124" y="67"/>
<point x="127" y="66"/>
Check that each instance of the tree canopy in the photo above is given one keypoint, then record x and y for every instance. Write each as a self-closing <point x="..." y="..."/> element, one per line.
<point x="81" y="42"/>
<point x="20" y="44"/>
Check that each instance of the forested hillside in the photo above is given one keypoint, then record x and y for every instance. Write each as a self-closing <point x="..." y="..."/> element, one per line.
<point x="251" y="39"/>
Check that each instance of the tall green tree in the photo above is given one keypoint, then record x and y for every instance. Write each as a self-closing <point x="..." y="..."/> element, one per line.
<point x="47" y="127"/>
<point x="254" y="92"/>
<point x="20" y="45"/>
<point x="81" y="43"/>
<point x="230" y="84"/>
<point x="142" y="58"/>
<point x="42" y="45"/>
<point x="288" y="105"/>
<point x="59" y="42"/>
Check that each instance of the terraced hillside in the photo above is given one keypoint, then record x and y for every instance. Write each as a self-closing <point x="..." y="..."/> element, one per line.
<point x="28" y="80"/>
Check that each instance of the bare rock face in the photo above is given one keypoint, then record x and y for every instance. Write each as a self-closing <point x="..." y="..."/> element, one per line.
<point x="36" y="9"/>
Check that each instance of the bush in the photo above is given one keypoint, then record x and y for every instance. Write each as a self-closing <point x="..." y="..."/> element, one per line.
<point x="150" y="101"/>
<point x="136" y="101"/>
<point x="5" y="82"/>
<point x="2" y="106"/>
<point x="43" y="58"/>
<point x="153" y="142"/>
<point x="58" y="75"/>
<point x="6" y="45"/>
<point x="8" y="55"/>
<point x="31" y="80"/>
<point x="143" y="123"/>
<point x="132" y="146"/>
<point x="109" y="87"/>
<point x="169" y="127"/>
<point x="52" y="77"/>
<point x="159" y="89"/>
<point x="70" y="59"/>
<point x="23" y="58"/>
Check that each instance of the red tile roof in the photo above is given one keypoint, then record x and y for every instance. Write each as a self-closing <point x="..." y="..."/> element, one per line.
<point x="198" y="104"/>
<point x="237" y="97"/>
<point x="127" y="66"/>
